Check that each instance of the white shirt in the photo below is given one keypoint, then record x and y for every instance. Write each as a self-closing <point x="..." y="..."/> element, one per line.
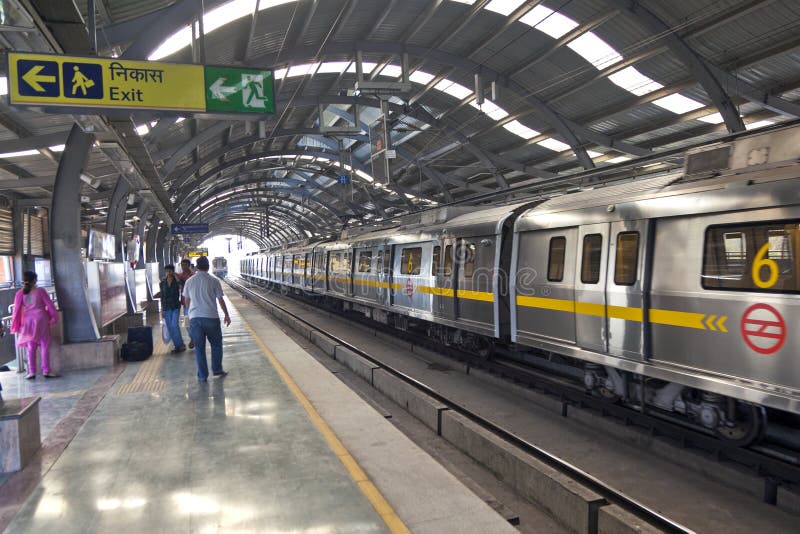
<point x="203" y="290"/>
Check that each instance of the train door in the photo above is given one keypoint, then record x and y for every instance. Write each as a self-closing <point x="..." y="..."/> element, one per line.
<point x="444" y="302"/>
<point x="625" y="294"/>
<point x="591" y="327"/>
<point x="475" y="294"/>
<point x="383" y="266"/>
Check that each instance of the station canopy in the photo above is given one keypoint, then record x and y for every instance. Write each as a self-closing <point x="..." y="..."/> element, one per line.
<point x="479" y="96"/>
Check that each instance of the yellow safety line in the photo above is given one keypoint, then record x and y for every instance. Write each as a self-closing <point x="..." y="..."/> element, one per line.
<point x="373" y="495"/>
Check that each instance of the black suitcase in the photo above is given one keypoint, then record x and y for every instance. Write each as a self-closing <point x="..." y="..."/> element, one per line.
<point x="142" y="334"/>
<point x="135" y="351"/>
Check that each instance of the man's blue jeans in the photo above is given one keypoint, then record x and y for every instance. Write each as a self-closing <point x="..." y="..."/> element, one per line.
<point x="201" y="328"/>
<point x="171" y="318"/>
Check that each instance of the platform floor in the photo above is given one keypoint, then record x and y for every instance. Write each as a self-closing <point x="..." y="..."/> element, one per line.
<point x="161" y="452"/>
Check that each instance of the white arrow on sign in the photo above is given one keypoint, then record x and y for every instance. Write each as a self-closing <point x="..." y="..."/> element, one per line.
<point x="218" y="90"/>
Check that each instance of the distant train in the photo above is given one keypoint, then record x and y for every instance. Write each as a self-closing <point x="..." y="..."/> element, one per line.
<point x="679" y="291"/>
<point x="219" y="266"/>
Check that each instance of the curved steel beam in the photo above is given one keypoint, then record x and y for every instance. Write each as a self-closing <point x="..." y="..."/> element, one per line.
<point x="286" y="228"/>
<point x="564" y="126"/>
<point x="231" y="181"/>
<point x="222" y="200"/>
<point x="689" y="58"/>
<point x="201" y="203"/>
<point x="243" y="224"/>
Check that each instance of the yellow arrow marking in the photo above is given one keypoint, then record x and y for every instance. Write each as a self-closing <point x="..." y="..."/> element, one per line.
<point x="33" y="78"/>
<point x="721" y="324"/>
<point x="710" y="322"/>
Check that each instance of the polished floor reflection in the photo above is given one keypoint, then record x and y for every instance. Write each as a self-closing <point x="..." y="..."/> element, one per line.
<point x="162" y="453"/>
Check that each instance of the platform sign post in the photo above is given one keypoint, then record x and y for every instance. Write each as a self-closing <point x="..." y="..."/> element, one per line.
<point x="195" y="228"/>
<point x="197" y="252"/>
<point x="239" y="90"/>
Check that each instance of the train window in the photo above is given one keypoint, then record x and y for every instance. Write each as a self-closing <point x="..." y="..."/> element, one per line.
<point x="379" y="261"/>
<point x="411" y="260"/>
<point x="437" y="256"/>
<point x="469" y="259"/>
<point x="365" y="261"/>
<point x="752" y="257"/>
<point x="448" y="260"/>
<point x="592" y="254"/>
<point x="556" y="256"/>
<point x="627" y="262"/>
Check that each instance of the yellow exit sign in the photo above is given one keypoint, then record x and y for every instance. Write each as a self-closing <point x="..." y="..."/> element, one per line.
<point x="41" y="79"/>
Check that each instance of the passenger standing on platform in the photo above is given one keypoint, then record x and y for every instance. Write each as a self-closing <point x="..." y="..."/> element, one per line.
<point x="33" y="314"/>
<point x="186" y="273"/>
<point x="170" y="294"/>
<point x="201" y="294"/>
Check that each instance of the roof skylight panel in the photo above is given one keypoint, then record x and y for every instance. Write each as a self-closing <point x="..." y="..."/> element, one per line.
<point x="554" y="144"/>
<point x="758" y="124"/>
<point x="366" y="66"/>
<point x="393" y="71"/>
<point x="279" y="74"/>
<point x="677" y="103"/>
<point x="453" y="89"/>
<point x="519" y="129"/>
<point x="491" y="109"/>
<point x="504" y="7"/>
<point x="548" y="21"/>
<point x="714" y="118"/>
<point x="333" y="67"/>
<point x="594" y="50"/>
<point x="634" y="81"/>
<point x="421" y="77"/>
<point x="302" y="70"/>
<point x="18" y="154"/>
<point x="468" y="2"/>
<point x="618" y="159"/>
<point x="593" y="154"/>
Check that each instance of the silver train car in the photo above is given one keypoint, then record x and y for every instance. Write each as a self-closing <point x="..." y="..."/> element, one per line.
<point x="677" y="291"/>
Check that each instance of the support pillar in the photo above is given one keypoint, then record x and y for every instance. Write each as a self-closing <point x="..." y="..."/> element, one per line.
<point x="116" y="214"/>
<point x="65" y="235"/>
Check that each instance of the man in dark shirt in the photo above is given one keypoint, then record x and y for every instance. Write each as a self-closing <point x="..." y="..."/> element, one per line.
<point x="170" y="294"/>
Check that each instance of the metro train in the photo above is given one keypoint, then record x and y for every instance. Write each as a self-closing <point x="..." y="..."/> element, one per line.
<point x="677" y="290"/>
<point x="219" y="266"/>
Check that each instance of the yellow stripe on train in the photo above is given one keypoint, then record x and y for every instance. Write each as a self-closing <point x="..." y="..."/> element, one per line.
<point x="700" y="321"/>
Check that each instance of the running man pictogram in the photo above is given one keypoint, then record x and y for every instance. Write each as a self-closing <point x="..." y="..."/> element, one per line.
<point x="79" y="81"/>
<point x="253" y="91"/>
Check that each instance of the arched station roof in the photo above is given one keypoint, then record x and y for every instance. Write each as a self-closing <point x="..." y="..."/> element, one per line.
<point x="568" y="86"/>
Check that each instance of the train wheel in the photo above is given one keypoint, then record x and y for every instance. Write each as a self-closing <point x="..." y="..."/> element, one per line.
<point x="484" y="348"/>
<point x="748" y="427"/>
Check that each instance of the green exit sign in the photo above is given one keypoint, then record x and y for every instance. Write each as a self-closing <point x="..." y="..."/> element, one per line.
<point x="238" y="90"/>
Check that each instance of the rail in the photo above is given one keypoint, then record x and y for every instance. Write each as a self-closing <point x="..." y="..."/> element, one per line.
<point x="19" y="352"/>
<point x="611" y="494"/>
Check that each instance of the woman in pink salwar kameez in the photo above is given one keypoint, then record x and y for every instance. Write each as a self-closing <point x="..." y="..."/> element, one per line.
<point x="34" y="312"/>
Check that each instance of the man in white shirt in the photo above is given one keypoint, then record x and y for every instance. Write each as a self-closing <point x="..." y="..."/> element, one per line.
<point x="201" y="294"/>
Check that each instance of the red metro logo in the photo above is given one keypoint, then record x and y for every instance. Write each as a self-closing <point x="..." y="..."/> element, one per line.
<point x="763" y="328"/>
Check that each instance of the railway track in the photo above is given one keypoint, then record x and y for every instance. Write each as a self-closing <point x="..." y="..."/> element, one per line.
<point x="775" y="466"/>
<point x="611" y="494"/>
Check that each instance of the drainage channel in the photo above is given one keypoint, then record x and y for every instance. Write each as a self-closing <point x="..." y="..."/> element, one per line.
<point x="609" y="494"/>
